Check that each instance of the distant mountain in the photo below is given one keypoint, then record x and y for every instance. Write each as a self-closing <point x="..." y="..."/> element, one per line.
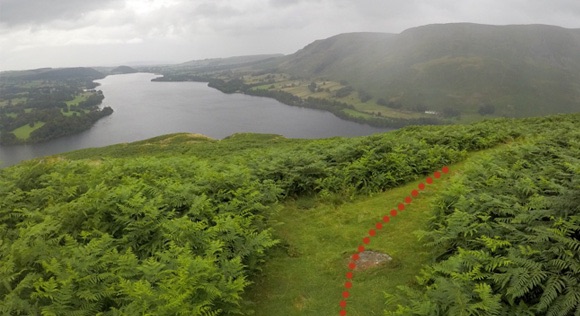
<point x="519" y="70"/>
<point x="123" y="70"/>
<point x="230" y="61"/>
<point x="197" y="70"/>
<point x="77" y="73"/>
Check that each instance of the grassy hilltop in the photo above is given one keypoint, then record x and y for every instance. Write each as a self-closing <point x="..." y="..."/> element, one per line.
<point x="185" y="225"/>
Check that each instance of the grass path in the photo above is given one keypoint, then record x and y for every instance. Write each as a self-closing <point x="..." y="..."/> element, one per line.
<point x="306" y="275"/>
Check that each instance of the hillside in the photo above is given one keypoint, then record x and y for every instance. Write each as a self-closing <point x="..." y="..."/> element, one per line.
<point x="520" y="70"/>
<point x="75" y="73"/>
<point x="197" y="69"/>
<point x="123" y="70"/>
<point x="230" y="61"/>
<point x="182" y="224"/>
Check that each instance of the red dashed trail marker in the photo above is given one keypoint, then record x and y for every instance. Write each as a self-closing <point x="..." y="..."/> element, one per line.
<point x="373" y="232"/>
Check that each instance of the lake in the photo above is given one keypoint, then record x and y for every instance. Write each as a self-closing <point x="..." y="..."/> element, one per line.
<point x="145" y="109"/>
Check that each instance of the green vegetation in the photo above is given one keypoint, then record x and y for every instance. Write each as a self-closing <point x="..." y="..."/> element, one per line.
<point x="357" y="114"/>
<point x="24" y="131"/>
<point x="61" y="99"/>
<point x="184" y="225"/>
<point x="330" y="96"/>
<point x="461" y="66"/>
<point x="305" y="277"/>
<point x="306" y="274"/>
<point x="335" y="105"/>
<point x="455" y="72"/>
<point x="78" y="99"/>
<point x="506" y="235"/>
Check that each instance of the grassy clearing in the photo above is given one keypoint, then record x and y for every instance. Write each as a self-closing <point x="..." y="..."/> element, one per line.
<point x="23" y="132"/>
<point x="263" y="87"/>
<point x="78" y="99"/>
<point x="300" y="89"/>
<point x="306" y="274"/>
<point x="372" y="107"/>
<point x="308" y="279"/>
<point x="355" y="113"/>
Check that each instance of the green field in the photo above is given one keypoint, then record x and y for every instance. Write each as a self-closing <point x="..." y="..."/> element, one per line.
<point x="300" y="89"/>
<point x="23" y="132"/>
<point x="78" y="99"/>
<point x="356" y="113"/>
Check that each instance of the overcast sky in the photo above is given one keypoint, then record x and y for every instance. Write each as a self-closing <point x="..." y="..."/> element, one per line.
<point x="63" y="33"/>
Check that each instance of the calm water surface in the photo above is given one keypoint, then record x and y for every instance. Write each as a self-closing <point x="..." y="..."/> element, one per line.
<point x="145" y="109"/>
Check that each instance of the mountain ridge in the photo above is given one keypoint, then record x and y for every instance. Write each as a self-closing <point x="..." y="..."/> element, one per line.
<point x="48" y="73"/>
<point x="517" y="68"/>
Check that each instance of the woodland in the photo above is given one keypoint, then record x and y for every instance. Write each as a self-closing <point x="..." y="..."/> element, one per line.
<point x="40" y="105"/>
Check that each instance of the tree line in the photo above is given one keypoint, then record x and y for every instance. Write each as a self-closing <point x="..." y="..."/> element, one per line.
<point x="335" y="107"/>
<point x="46" y="103"/>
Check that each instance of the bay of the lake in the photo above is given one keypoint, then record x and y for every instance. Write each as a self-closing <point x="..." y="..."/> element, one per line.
<point x="145" y="109"/>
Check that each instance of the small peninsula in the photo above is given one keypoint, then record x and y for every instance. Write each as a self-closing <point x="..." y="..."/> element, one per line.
<point x="43" y="104"/>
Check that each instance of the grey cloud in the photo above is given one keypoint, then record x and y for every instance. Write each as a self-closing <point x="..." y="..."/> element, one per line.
<point x="37" y="12"/>
<point x="391" y="8"/>
<point x="283" y="3"/>
<point x="213" y="9"/>
<point x="189" y="29"/>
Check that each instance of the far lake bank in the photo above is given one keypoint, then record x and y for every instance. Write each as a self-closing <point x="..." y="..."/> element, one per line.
<point x="145" y="109"/>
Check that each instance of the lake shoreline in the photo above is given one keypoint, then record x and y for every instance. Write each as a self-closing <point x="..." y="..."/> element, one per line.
<point x="145" y="109"/>
<point x="337" y="108"/>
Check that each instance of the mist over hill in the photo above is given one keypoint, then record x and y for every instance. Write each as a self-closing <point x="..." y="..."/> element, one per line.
<point x="230" y="61"/>
<point x="522" y="70"/>
<point x="123" y="70"/>
<point x="77" y="73"/>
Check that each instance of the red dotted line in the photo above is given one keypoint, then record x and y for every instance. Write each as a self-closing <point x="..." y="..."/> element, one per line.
<point x="366" y="240"/>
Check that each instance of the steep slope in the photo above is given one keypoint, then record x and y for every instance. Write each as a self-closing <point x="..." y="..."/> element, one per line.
<point x="520" y="70"/>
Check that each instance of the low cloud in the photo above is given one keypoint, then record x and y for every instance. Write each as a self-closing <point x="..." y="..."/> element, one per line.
<point x="38" y="12"/>
<point x="209" y="28"/>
